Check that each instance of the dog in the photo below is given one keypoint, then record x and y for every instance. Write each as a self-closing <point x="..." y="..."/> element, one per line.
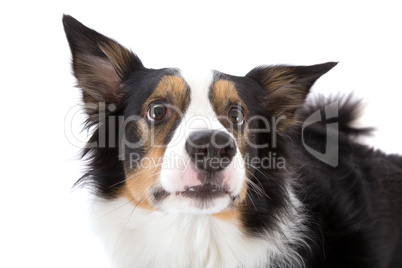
<point x="207" y="169"/>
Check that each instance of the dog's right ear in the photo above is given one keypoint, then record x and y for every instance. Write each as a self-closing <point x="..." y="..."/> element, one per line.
<point x="99" y="63"/>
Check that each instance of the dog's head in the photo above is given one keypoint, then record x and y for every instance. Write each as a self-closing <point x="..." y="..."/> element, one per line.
<point x="182" y="141"/>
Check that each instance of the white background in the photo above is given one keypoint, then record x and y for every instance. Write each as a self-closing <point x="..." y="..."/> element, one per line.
<point x="43" y="221"/>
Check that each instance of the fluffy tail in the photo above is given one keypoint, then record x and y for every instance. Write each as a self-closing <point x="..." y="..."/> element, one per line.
<point x="349" y="111"/>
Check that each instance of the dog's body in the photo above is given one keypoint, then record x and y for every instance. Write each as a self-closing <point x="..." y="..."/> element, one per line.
<point x="214" y="170"/>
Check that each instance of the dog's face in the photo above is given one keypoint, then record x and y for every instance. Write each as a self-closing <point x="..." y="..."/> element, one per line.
<point x="183" y="142"/>
<point x="180" y="141"/>
<point x="195" y="138"/>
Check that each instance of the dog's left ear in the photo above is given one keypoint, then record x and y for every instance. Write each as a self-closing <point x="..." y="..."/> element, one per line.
<point x="286" y="87"/>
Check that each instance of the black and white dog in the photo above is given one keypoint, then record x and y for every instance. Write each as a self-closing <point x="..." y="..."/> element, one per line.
<point x="214" y="170"/>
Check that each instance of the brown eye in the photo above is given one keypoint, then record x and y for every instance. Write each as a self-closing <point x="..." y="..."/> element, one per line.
<point x="156" y="112"/>
<point x="236" y="115"/>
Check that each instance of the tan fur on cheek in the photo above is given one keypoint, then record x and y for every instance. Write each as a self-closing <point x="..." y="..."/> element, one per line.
<point x="143" y="178"/>
<point x="225" y="94"/>
<point x="172" y="91"/>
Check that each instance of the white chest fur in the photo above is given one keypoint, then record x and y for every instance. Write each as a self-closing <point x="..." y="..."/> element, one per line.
<point x="137" y="238"/>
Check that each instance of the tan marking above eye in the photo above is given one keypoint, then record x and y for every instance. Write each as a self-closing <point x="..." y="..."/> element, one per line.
<point x="224" y="92"/>
<point x="223" y="96"/>
<point x="171" y="90"/>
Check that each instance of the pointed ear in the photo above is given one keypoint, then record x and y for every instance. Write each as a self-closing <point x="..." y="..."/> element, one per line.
<point x="286" y="87"/>
<point x="99" y="63"/>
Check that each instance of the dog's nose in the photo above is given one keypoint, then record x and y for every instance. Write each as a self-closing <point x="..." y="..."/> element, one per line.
<point x="211" y="151"/>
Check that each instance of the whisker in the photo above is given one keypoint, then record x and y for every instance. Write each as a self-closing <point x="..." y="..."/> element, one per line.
<point x="150" y="177"/>
<point x="257" y="169"/>
<point x="135" y="175"/>
<point x="257" y="189"/>
<point x="143" y="171"/>
<point x="125" y="226"/>
<point x="129" y="201"/>
<point x="251" y="200"/>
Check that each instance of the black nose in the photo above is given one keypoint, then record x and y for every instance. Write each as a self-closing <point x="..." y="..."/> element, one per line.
<point x="211" y="151"/>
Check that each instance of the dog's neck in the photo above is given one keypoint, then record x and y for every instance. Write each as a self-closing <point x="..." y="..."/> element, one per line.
<point x="134" y="236"/>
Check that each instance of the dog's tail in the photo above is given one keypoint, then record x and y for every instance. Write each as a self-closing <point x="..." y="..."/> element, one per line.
<point x="347" y="110"/>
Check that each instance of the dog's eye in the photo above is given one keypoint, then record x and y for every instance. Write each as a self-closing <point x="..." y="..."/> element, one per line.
<point x="236" y="115"/>
<point x="156" y="112"/>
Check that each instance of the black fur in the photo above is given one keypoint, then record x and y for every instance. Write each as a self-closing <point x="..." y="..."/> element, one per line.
<point x="355" y="209"/>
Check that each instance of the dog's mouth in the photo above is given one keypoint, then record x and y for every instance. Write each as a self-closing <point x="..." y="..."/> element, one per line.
<point x="203" y="191"/>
